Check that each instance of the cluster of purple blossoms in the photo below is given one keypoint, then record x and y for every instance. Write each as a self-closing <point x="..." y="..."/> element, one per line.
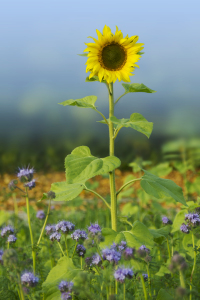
<point x="6" y="231"/>
<point x="25" y="174"/>
<point x="94" y="229"/>
<point x="29" y="280"/>
<point x="166" y="221"/>
<point x="111" y="255"/>
<point x="144" y="248"/>
<point x="80" y="249"/>
<point x="145" y="276"/>
<point x="122" y="273"/>
<point x="40" y="214"/>
<point x="128" y="253"/>
<point x="1" y="260"/>
<point x="65" y="226"/>
<point x="184" y="228"/>
<point x="96" y="259"/>
<point x="30" y="184"/>
<point x="192" y="219"/>
<point x="50" y="229"/>
<point x="56" y="236"/>
<point x="11" y="238"/>
<point x="79" y="234"/>
<point x="65" y="288"/>
<point x="119" y="247"/>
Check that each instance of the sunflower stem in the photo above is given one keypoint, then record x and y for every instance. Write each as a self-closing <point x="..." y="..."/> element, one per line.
<point x="112" y="174"/>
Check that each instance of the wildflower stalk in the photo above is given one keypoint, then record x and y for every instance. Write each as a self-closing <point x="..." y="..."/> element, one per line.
<point x="116" y="287"/>
<point x="112" y="174"/>
<point x="74" y="249"/>
<point x="61" y="248"/>
<point x="81" y="263"/>
<point x="124" y="291"/>
<point x="182" y="281"/>
<point x="30" y="230"/>
<point x="144" y="288"/>
<point x="45" y="222"/>
<point x="149" y="280"/>
<point x="169" y="252"/>
<point x="194" y="265"/>
<point x="66" y="245"/>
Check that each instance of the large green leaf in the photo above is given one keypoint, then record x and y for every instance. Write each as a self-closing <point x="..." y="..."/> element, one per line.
<point x="137" y="87"/>
<point x="66" y="192"/>
<point x="139" y="235"/>
<point x="86" y="102"/>
<point x="160" y="234"/>
<point x="179" y="219"/>
<point x="64" y="270"/>
<point x="81" y="165"/>
<point x="164" y="295"/>
<point x="137" y="122"/>
<point x="161" y="188"/>
<point x="109" y="237"/>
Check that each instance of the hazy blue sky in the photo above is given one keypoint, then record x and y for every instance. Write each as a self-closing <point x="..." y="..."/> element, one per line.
<point x="39" y="65"/>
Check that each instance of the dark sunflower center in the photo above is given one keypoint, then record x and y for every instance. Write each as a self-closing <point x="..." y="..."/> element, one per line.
<point x="113" y="57"/>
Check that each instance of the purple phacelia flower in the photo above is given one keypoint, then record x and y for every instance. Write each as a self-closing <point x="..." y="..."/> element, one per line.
<point x="11" y="238"/>
<point x="111" y="255"/>
<point x="66" y="296"/>
<point x="40" y="214"/>
<point x="79" y="234"/>
<point x="65" y="286"/>
<point x="30" y="184"/>
<point x="145" y="276"/>
<point x="122" y="273"/>
<point x="184" y="228"/>
<point x="94" y="229"/>
<point x="25" y="174"/>
<point x="65" y="226"/>
<point x="29" y="279"/>
<point x="143" y="247"/>
<point x="166" y="221"/>
<point x="80" y="249"/>
<point x="122" y="246"/>
<point x="50" y="229"/>
<point x="56" y="236"/>
<point x="96" y="259"/>
<point x="128" y="253"/>
<point x="192" y="218"/>
<point x="6" y="231"/>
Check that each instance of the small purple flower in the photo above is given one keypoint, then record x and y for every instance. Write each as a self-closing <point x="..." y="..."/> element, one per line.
<point x="79" y="234"/>
<point x="94" y="229"/>
<point x="122" y="273"/>
<point x="184" y="228"/>
<point x="128" y="253"/>
<point x="30" y="184"/>
<point x="143" y="247"/>
<point x="111" y="255"/>
<point x="96" y="259"/>
<point x="192" y="218"/>
<point x="80" y="249"/>
<point x="166" y="221"/>
<point x="50" y="229"/>
<point x="56" y="236"/>
<point x="40" y="214"/>
<point x="65" y="226"/>
<point x="29" y="279"/>
<point x="66" y="296"/>
<point x="7" y="230"/>
<point x="145" y="276"/>
<point x="11" y="238"/>
<point x="122" y="246"/>
<point x="25" y="174"/>
<point x="65" y="286"/>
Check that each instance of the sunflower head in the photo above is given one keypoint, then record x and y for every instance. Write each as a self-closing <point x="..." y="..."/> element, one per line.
<point x="112" y="57"/>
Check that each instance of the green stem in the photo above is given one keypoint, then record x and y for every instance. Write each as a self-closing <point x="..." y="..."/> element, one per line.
<point x="21" y="290"/>
<point x="102" y="116"/>
<point x="169" y="252"/>
<point x="30" y="230"/>
<point x="194" y="265"/>
<point x="144" y="288"/>
<point x="182" y="281"/>
<point x="123" y="186"/>
<point x="61" y="248"/>
<point x="107" y="292"/>
<point x="120" y="97"/>
<point x="45" y="222"/>
<point x="81" y="263"/>
<point x="91" y="191"/>
<point x="8" y="245"/>
<point x="149" y="280"/>
<point x="112" y="174"/>
<point x="66" y="245"/>
<point x="124" y="291"/>
<point x="74" y="249"/>
<point x="116" y="287"/>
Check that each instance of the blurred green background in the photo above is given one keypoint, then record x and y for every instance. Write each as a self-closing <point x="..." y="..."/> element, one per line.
<point x="40" y="67"/>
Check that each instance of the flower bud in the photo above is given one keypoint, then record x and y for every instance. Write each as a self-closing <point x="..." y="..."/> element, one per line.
<point x="51" y="195"/>
<point x="12" y="185"/>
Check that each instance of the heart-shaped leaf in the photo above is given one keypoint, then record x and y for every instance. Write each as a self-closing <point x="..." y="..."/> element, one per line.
<point x="86" y="102"/>
<point x="66" y="192"/>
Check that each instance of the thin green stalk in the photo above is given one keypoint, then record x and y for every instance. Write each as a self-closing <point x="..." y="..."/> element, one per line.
<point x="66" y="245"/>
<point x="30" y="230"/>
<point x="112" y="174"/>
<point x="123" y="186"/>
<point x="61" y="248"/>
<point x="120" y="97"/>
<point x="45" y="222"/>
<point x="107" y="292"/>
<point x="149" y="280"/>
<point x="81" y="263"/>
<point x="102" y="116"/>
<point x="194" y="264"/>
<point x="74" y="249"/>
<point x="144" y="288"/>
<point x="182" y="281"/>
<point x="116" y="287"/>
<point x="91" y="191"/>
<point x="20" y="289"/>
<point x="169" y="252"/>
<point x="124" y="291"/>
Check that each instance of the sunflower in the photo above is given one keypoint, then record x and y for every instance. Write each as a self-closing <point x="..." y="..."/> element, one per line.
<point x="112" y="57"/>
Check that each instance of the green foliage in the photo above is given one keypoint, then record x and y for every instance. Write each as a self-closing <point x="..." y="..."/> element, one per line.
<point x="162" y="169"/>
<point x="164" y="295"/>
<point x="136" y="88"/>
<point x="136" y="121"/>
<point x="94" y="78"/>
<point x="161" y="188"/>
<point x="86" y="102"/>
<point x="66" y="192"/>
